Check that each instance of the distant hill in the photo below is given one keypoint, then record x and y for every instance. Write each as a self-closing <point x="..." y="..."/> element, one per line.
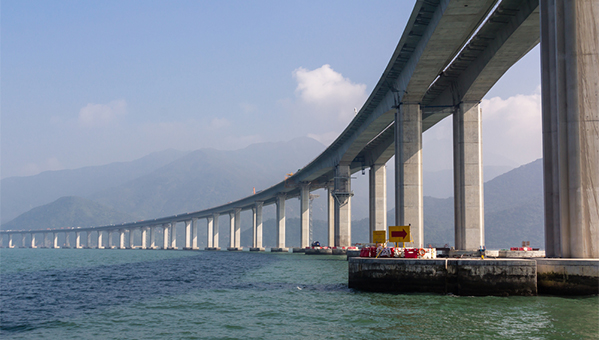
<point x="67" y="212"/>
<point x="20" y="194"/>
<point x="207" y="177"/>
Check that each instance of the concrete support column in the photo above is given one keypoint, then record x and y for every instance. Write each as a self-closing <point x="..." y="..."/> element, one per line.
<point x="100" y="244"/>
<point x="238" y="228"/>
<point x="77" y="240"/>
<point x="23" y="240"/>
<point x="377" y="199"/>
<point x="409" y="170"/>
<point x="153" y="237"/>
<point x="121" y="238"/>
<point x="194" y="233"/>
<point x="468" y="178"/>
<point x="209" y="231"/>
<point x="10" y="241"/>
<point x="231" y="229"/>
<point x="55" y="240"/>
<point x="165" y="236"/>
<point x="131" y="239"/>
<point x="569" y="60"/>
<point x="280" y="220"/>
<point x="144" y="234"/>
<point x="343" y="214"/>
<point x="258" y="225"/>
<point x="216" y="231"/>
<point x="173" y="235"/>
<point x="67" y="239"/>
<point x="88" y="241"/>
<point x="304" y="215"/>
<point x="33" y="240"/>
<point x="188" y="234"/>
<point x="109" y="234"/>
<point x="330" y="216"/>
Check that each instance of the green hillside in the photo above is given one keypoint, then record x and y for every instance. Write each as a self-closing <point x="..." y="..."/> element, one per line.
<point x="67" y="212"/>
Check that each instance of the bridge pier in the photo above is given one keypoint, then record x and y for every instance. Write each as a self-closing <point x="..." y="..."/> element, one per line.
<point x="67" y="239"/>
<point x="257" y="227"/>
<point x="343" y="218"/>
<point x="377" y="199"/>
<point x="153" y="237"/>
<point x="55" y="241"/>
<point x="195" y="234"/>
<point x="100" y="245"/>
<point x="569" y="58"/>
<point x="234" y="230"/>
<point x="280" y="220"/>
<point x="33" y="241"/>
<point x="409" y="170"/>
<point x="213" y="232"/>
<point x="305" y="215"/>
<point x="144" y="236"/>
<point x="468" y="177"/>
<point x="188" y="235"/>
<point x="330" y="216"/>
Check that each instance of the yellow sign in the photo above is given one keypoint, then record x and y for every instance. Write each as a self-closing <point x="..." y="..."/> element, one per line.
<point x="378" y="236"/>
<point x="400" y="233"/>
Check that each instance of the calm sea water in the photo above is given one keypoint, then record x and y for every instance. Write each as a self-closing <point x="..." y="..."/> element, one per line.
<point x="145" y="294"/>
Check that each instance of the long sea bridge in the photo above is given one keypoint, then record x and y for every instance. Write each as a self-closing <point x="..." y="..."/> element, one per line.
<point x="450" y="54"/>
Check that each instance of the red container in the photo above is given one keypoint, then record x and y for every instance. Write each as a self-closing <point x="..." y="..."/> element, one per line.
<point x="373" y="251"/>
<point x="365" y="252"/>
<point x="411" y="253"/>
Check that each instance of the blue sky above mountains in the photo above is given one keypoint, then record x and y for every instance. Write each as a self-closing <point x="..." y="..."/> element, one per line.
<point x="93" y="82"/>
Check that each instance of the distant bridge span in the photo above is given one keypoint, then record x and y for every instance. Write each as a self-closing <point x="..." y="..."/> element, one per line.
<point x="450" y="54"/>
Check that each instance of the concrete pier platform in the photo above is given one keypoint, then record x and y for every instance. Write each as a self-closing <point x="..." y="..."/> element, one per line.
<point x="212" y="248"/>
<point x="567" y="276"/>
<point x="477" y="277"/>
<point x="235" y="248"/>
<point x="298" y="250"/>
<point x="257" y="249"/>
<point x="280" y="250"/>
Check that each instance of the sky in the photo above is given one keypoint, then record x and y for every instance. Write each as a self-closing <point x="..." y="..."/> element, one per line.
<point x="87" y="83"/>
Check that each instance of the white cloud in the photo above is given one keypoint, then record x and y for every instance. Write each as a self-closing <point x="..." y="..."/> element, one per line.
<point x="248" y="108"/>
<point x="512" y="128"/>
<point x="99" y="115"/>
<point x="326" y="94"/>
<point x="219" y="123"/>
<point x="511" y="133"/>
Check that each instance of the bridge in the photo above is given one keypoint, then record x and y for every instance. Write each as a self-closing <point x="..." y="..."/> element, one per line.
<point x="450" y="54"/>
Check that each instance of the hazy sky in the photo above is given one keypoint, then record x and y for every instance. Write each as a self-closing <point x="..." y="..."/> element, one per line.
<point x="92" y="82"/>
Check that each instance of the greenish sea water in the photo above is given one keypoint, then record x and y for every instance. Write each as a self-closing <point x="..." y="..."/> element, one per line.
<point x="145" y="294"/>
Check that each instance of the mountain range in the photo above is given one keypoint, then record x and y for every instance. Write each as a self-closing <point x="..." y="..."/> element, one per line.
<point x="171" y="182"/>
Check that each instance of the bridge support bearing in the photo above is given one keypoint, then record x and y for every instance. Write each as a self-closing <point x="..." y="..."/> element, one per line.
<point x="409" y="170"/>
<point x="468" y="178"/>
<point x="377" y="199"/>
<point x="569" y="58"/>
